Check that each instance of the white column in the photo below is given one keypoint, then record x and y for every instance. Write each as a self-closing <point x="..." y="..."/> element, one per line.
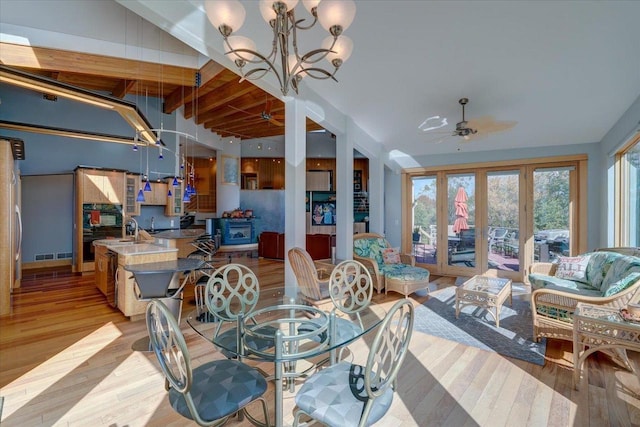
<point x="344" y="194"/>
<point x="294" y="183"/>
<point x="228" y="194"/>
<point x="376" y="195"/>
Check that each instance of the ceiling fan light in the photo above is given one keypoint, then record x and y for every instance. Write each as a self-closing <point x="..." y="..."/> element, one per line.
<point x="342" y="48"/>
<point x="229" y="13"/>
<point x="332" y="13"/>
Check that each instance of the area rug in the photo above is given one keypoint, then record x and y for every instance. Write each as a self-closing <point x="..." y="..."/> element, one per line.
<point x="475" y="327"/>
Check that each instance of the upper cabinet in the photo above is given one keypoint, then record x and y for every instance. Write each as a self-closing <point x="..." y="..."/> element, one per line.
<point x="132" y="206"/>
<point x="174" y="202"/>
<point x="101" y="186"/>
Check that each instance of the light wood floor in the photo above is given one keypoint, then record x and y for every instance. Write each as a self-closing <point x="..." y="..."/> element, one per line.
<point x="66" y="359"/>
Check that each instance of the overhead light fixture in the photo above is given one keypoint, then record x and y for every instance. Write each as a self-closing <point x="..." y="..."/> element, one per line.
<point x="127" y="110"/>
<point x="284" y="60"/>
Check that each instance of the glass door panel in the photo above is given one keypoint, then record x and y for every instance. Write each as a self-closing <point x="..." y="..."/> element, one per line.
<point x="424" y="230"/>
<point x="503" y="216"/>
<point x="551" y="213"/>
<point x="461" y="220"/>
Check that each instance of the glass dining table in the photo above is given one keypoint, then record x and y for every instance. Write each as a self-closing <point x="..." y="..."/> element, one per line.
<point x="285" y="334"/>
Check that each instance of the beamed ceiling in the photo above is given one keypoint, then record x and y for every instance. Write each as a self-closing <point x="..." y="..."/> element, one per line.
<point x="221" y="103"/>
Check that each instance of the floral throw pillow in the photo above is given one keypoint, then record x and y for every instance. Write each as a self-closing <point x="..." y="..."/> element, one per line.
<point x="391" y="256"/>
<point x="572" y="268"/>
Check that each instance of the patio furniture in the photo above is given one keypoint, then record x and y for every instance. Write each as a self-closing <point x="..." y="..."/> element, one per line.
<point x="486" y="292"/>
<point x="399" y="274"/>
<point x="609" y="279"/>
<point x="596" y="328"/>
<point x="347" y="394"/>
<point x="210" y="393"/>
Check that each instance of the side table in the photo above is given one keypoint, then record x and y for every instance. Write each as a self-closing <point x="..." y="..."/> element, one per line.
<point x="597" y="328"/>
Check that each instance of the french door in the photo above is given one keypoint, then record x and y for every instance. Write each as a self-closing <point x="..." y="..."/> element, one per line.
<point x="495" y="220"/>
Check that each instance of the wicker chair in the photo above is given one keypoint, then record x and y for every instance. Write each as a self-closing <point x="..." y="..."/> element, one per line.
<point x="404" y="278"/>
<point x="552" y="309"/>
<point x="313" y="289"/>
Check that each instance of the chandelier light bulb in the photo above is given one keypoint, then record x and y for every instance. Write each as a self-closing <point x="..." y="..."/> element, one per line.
<point x="343" y="48"/>
<point x="267" y="8"/>
<point x="225" y="15"/>
<point x="310" y="5"/>
<point x="336" y="13"/>
<point x="241" y="42"/>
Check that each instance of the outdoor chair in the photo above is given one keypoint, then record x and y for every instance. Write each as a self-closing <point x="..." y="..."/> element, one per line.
<point x="347" y="394"/>
<point x="210" y="393"/>
<point x="497" y="238"/>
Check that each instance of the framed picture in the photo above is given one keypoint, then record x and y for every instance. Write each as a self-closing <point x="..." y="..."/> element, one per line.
<point x="230" y="170"/>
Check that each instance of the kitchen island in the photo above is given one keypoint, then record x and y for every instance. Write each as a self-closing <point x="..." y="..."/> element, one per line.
<point x="112" y="277"/>
<point x="180" y="239"/>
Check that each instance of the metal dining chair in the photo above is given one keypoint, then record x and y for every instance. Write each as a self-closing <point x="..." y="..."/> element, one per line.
<point x="210" y="393"/>
<point x="347" y="394"/>
<point x="234" y="290"/>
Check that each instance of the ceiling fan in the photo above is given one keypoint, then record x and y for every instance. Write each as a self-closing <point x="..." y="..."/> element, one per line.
<point x="265" y="114"/>
<point x="467" y="130"/>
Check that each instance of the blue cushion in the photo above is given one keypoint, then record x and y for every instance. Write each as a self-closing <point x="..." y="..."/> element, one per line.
<point x="220" y="388"/>
<point x="327" y="397"/>
<point x="406" y="272"/>
<point x="228" y="341"/>
<point x="540" y="281"/>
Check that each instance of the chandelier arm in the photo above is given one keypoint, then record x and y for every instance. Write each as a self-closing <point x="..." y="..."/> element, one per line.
<point x="324" y="73"/>
<point x="323" y="52"/>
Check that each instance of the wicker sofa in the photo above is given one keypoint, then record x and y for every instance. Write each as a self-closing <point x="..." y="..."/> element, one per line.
<point x="403" y="277"/>
<point x="611" y="278"/>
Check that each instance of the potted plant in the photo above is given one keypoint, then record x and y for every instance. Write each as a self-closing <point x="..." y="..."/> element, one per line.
<point x="416" y="235"/>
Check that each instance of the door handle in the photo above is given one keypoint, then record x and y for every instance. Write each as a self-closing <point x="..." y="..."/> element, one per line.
<point x="19" y="237"/>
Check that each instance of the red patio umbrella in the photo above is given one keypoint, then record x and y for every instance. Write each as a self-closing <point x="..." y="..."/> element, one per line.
<point x="462" y="214"/>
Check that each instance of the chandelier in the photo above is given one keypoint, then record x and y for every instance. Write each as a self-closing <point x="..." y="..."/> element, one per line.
<point x="285" y="61"/>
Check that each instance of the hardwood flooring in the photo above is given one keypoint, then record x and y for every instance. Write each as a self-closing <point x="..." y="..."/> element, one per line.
<point x="66" y="359"/>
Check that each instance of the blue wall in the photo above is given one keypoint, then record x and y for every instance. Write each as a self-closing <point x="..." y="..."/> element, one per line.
<point x="47" y="196"/>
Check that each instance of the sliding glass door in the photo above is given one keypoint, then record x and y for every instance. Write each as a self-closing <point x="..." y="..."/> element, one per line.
<point x="494" y="220"/>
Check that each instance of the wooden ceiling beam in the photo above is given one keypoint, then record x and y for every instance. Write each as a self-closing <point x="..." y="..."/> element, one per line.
<point x="39" y="58"/>
<point x="219" y="97"/>
<point x="122" y="88"/>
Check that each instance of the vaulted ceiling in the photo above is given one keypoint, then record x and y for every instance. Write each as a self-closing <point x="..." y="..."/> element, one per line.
<point x="221" y="102"/>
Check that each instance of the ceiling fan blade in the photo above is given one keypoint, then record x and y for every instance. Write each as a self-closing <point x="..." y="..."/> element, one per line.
<point x="488" y="124"/>
<point x="275" y="122"/>
<point x="267" y="107"/>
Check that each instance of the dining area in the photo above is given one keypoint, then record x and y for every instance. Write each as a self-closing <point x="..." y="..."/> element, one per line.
<point x="282" y="351"/>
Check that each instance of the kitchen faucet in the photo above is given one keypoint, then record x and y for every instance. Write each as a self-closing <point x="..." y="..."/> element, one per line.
<point x="152" y="224"/>
<point x="135" y="229"/>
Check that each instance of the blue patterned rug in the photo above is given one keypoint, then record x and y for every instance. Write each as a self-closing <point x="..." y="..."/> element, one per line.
<point x="475" y="327"/>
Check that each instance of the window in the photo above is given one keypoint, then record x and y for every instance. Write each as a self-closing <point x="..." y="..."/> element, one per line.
<point x="628" y="191"/>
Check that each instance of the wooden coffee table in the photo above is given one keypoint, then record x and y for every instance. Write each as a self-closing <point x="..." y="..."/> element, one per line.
<point x="486" y="292"/>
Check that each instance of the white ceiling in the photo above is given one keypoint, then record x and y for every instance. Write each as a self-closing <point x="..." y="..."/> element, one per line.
<point x="566" y="71"/>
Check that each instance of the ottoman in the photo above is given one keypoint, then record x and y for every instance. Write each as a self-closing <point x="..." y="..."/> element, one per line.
<point x="406" y="280"/>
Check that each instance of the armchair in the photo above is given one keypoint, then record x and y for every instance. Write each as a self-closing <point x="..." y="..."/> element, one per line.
<point x="397" y="273"/>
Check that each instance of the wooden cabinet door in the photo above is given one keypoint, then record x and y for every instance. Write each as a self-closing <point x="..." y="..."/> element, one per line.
<point x="114" y="187"/>
<point x="131" y="205"/>
<point x="102" y="186"/>
<point x="175" y="206"/>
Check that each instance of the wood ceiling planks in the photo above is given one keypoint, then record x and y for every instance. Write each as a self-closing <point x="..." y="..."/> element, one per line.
<point x="223" y="104"/>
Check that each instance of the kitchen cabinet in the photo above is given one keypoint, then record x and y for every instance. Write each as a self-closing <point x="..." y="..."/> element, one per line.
<point x="174" y="203"/>
<point x="102" y="186"/>
<point x="99" y="199"/>
<point x="157" y="196"/>
<point x="127" y="300"/>
<point x="101" y="268"/>
<point x="132" y="206"/>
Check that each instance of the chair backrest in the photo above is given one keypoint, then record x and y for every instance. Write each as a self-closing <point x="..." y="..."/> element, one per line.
<point x="306" y="274"/>
<point x="387" y="352"/>
<point x="370" y="245"/>
<point x="351" y="287"/>
<point x="232" y="289"/>
<point x="169" y="346"/>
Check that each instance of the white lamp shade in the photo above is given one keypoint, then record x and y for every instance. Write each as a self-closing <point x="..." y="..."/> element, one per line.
<point x="228" y="12"/>
<point x="292" y="60"/>
<point x="336" y="12"/>
<point x="266" y="8"/>
<point x="343" y="48"/>
<point x="242" y="42"/>
<point x="310" y="4"/>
